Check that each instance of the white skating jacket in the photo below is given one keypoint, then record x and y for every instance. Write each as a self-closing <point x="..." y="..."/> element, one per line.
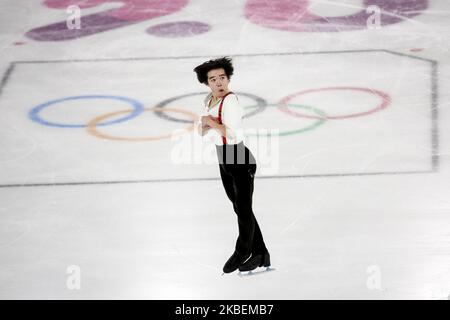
<point x="231" y="117"/>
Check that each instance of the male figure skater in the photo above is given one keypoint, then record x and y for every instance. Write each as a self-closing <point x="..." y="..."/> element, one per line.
<point x="237" y="165"/>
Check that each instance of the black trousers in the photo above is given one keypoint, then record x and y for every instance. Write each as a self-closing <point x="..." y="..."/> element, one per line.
<point x="237" y="169"/>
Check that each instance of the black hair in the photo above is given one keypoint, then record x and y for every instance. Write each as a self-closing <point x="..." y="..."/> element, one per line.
<point x="203" y="69"/>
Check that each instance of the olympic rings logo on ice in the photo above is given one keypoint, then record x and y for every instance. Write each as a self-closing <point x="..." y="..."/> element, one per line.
<point x="137" y="108"/>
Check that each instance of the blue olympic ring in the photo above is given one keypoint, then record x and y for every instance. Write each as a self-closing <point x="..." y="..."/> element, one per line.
<point x="34" y="113"/>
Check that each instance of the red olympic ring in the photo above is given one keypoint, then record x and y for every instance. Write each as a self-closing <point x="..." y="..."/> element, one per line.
<point x="386" y="100"/>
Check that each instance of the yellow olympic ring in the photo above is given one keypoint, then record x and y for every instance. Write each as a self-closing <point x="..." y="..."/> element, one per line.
<point x="91" y="126"/>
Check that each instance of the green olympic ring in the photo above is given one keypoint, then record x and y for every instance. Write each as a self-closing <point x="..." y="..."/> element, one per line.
<point x="319" y="121"/>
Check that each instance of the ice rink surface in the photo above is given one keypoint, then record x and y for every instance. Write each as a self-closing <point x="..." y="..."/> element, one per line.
<point x="101" y="197"/>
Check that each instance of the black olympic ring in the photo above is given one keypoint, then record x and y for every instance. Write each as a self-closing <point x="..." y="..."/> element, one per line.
<point x="260" y="103"/>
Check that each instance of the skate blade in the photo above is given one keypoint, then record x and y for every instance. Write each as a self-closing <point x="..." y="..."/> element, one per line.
<point x="254" y="273"/>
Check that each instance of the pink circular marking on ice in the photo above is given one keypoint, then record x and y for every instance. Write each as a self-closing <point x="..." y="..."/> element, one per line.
<point x="285" y="15"/>
<point x="293" y="15"/>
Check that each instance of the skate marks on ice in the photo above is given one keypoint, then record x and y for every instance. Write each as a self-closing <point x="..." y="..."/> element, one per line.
<point x="204" y="265"/>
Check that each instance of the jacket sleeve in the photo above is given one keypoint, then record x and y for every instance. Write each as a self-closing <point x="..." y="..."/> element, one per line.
<point x="198" y="123"/>
<point x="232" y="115"/>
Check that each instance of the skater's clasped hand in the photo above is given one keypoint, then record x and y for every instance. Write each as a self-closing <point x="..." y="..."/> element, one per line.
<point x="208" y="121"/>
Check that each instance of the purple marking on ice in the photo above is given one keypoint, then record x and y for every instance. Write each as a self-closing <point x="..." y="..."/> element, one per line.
<point x="179" y="29"/>
<point x="131" y="12"/>
<point x="92" y="24"/>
